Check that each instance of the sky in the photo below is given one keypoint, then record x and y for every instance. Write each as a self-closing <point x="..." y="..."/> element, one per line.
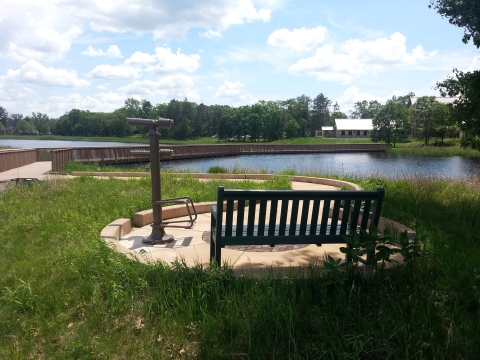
<point x="58" y="55"/>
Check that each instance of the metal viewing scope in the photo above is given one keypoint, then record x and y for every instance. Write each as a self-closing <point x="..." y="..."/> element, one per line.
<point x="158" y="123"/>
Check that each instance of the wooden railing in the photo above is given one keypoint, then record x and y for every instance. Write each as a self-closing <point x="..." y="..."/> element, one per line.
<point x="126" y="154"/>
<point x="14" y="158"/>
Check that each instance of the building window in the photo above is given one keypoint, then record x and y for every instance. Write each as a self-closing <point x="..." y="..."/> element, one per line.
<point x="343" y="132"/>
<point x="350" y="132"/>
<point x="358" y="132"/>
<point x="365" y="132"/>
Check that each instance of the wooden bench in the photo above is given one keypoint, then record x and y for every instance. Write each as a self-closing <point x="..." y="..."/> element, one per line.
<point x="279" y="217"/>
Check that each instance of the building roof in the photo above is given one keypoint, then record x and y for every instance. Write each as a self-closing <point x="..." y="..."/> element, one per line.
<point x="443" y="100"/>
<point x="354" y="124"/>
<point x="327" y="128"/>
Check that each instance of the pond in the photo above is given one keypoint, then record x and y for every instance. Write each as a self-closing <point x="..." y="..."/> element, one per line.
<point x="351" y="164"/>
<point x="385" y="165"/>
<point x="49" y="144"/>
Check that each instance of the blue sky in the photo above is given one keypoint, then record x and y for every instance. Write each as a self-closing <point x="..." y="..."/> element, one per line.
<point x="92" y="55"/>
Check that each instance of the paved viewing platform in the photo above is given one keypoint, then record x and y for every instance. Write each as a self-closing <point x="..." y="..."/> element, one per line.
<point x="192" y="245"/>
<point x="38" y="170"/>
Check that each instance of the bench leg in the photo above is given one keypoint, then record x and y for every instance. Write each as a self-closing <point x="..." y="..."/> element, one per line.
<point x="218" y="253"/>
<point x="212" y="247"/>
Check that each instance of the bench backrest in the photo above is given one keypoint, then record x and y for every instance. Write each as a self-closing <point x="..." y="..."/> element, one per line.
<point x="297" y="212"/>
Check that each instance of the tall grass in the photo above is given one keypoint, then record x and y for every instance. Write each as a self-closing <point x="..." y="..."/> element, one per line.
<point x="65" y="294"/>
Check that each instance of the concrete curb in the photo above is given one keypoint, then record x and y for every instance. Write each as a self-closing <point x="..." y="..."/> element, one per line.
<point x="305" y="179"/>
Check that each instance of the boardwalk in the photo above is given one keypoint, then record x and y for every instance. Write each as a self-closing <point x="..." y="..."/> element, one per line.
<point x="38" y="170"/>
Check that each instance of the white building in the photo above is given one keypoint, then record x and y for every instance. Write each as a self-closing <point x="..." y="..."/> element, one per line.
<point x="443" y="100"/>
<point x="347" y="128"/>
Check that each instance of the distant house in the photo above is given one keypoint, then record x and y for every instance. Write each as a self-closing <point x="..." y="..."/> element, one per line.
<point x="443" y="100"/>
<point x="326" y="132"/>
<point x="347" y="128"/>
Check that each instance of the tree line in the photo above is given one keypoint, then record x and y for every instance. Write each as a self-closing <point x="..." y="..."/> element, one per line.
<point x="268" y="120"/>
<point x="393" y="122"/>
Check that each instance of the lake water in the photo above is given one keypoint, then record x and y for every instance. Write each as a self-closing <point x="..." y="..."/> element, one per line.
<point x="355" y="164"/>
<point x="59" y="143"/>
<point x="352" y="164"/>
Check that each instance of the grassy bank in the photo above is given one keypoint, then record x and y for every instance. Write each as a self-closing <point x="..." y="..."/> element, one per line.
<point x="451" y="147"/>
<point x="64" y="294"/>
<point x="205" y="140"/>
<point x="413" y="147"/>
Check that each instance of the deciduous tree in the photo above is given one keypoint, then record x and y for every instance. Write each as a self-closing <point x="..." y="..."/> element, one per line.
<point x="390" y="124"/>
<point x="461" y="13"/>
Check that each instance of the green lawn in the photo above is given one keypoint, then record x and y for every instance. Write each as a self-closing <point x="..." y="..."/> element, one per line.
<point x="65" y="295"/>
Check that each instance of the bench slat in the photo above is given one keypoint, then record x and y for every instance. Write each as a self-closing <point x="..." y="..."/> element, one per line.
<point x="325" y="213"/>
<point x="315" y="212"/>
<point x="345" y="216"/>
<point x="240" y="216"/>
<point x="304" y="219"/>
<point x="283" y="218"/>
<point x="261" y="217"/>
<point x="366" y="211"/>
<point x="335" y="215"/>
<point x="273" y="216"/>
<point x="355" y="214"/>
<point x="293" y="217"/>
<point x="251" y="216"/>
<point x="229" y="217"/>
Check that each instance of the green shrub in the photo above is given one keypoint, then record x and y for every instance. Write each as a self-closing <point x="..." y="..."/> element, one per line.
<point x="217" y="170"/>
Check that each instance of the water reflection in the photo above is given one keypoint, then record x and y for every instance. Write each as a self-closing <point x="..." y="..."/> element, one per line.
<point x="351" y="164"/>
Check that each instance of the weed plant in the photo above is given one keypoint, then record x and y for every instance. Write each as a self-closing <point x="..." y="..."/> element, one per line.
<point x="65" y="294"/>
<point x="217" y="170"/>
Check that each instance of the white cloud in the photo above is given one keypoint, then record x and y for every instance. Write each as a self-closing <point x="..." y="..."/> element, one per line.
<point x="101" y="102"/>
<point x="359" y="58"/>
<point x="114" y="72"/>
<point x="234" y="93"/>
<point x="169" y="62"/>
<point x="37" y="30"/>
<point x="32" y="72"/>
<point x="298" y="39"/>
<point x="140" y="59"/>
<point x="163" y="62"/>
<point x="103" y="87"/>
<point x="352" y="94"/>
<point x="113" y="51"/>
<point x="168" y="87"/>
<point x="164" y="18"/>
<point x="44" y="30"/>
<point x="210" y="34"/>
<point x="243" y="12"/>
<point x="475" y="65"/>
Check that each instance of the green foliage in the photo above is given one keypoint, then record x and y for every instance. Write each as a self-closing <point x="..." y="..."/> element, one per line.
<point x="466" y="108"/>
<point x="390" y="124"/>
<point x="425" y="111"/>
<point x="291" y="129"/>
<point x="217" y="170"/>
<point x="469" y="140"/>
<point x="461" y="13"/>
<point x="365" y="109"/>
<point x="25" y="127"/>
<point x="2" y="129"/>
